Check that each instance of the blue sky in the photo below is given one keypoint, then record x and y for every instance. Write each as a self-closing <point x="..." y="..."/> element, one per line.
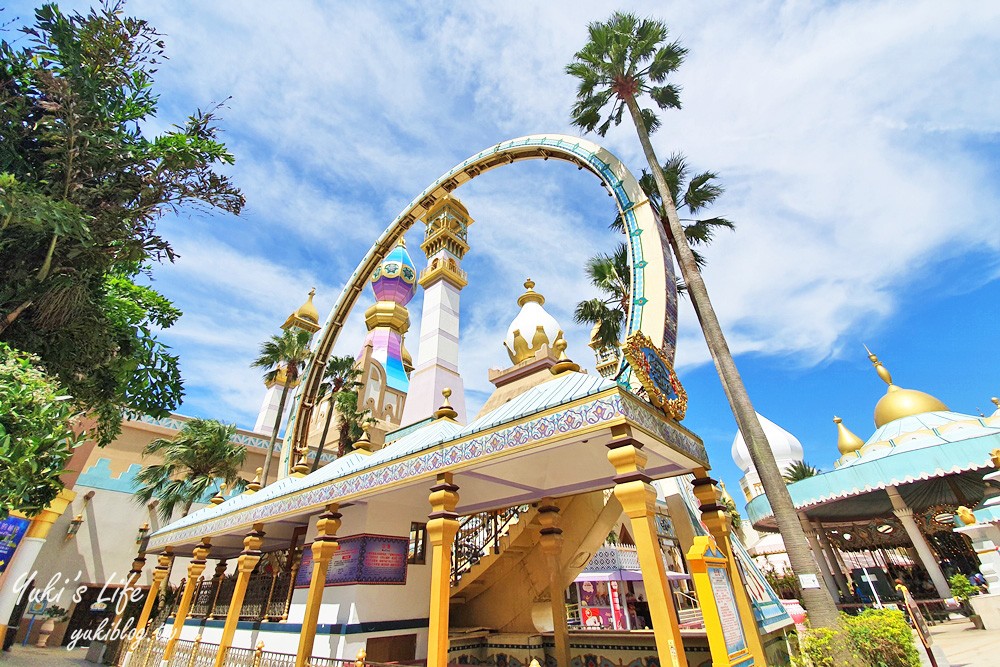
<point x="859" y="143"/>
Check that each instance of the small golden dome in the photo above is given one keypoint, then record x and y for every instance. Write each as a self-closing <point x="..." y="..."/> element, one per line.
<point x="307" y="311"/>
<point x="847" y="442"/>
<point x="899" y="402"/>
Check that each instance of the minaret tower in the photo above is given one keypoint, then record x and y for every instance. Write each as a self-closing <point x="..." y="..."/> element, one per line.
<point x="384" y="362"/>
<point x="445" y="244"/>
<point x="306" y="318"/>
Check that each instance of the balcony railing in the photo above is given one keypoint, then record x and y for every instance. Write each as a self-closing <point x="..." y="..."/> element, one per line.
<point x="478" y="534"/>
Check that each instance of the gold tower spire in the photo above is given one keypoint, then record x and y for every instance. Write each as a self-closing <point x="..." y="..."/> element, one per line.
<point x="899" y="402"/>
<point x="847" y="442"/>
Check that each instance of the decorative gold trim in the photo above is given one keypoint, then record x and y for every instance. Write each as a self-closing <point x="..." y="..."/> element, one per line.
<point x="636" y="349"/>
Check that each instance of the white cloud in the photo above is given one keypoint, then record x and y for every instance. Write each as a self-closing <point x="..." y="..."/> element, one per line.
<point x="840" y="131"/>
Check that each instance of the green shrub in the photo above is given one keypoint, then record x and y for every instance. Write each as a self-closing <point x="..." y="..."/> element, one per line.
<point x="878" y="638"/>
<point x="883" y="638"/>
<point x="961" y="588"/>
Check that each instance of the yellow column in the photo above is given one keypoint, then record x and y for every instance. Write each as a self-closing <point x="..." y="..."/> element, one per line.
<point x="323" y="548"/>
<point x="442" y="526"/>
<point x="244" y="566"/>
<point x="716" y="518"/>
<point x="159" y="576"/>
<point x="195" y="568"/>
<point x="551" y="541"/>
<point x="638" y="498"/>
<point x="24" y="557"/>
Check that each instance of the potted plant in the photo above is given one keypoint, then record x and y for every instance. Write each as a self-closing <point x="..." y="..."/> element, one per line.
<point x="54" y="614"/>
<point x="962" y="589"/>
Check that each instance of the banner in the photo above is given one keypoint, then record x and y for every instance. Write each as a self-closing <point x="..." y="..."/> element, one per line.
<point x="361" y="559"/>
<point x="12" y="529"/>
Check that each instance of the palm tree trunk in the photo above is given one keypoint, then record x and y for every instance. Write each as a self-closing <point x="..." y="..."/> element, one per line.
<point x="326" y="429"/>
<point x="818" y="602"/>
<point x="274" y="435"/>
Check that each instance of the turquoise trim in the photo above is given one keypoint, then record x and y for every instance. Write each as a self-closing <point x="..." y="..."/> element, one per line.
<point x="896" y="469"/>
<point x="99" y="476"/>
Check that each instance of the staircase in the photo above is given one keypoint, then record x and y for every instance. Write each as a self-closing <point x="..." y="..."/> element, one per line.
<point x="499" y="571"/>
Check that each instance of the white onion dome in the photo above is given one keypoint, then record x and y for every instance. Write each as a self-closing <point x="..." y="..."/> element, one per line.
<point x="532" y="328"/>
<point x="786" y="447"/>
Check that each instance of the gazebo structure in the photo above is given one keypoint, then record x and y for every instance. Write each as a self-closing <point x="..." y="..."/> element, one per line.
<point x="442" y="541"/>
<point x="900" y="488"/>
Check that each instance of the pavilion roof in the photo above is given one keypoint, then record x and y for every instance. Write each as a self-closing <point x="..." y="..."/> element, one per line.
<point x="936" y="467"/>
<point x="549" y="412"/>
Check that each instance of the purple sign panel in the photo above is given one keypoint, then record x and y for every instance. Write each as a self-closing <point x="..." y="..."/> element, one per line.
<point x="12" y="529"/>
<point x="361" y="559"/>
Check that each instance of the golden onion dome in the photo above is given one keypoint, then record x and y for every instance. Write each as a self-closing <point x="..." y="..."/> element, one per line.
<point x="899" y="402"/>
<point x="307" y="311"/>
<point x="847" y="442"/>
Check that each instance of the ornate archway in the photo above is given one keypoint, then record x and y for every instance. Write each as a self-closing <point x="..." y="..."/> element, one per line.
<point x="653" y="309"/>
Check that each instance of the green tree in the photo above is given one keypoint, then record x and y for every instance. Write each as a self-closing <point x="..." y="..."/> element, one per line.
<point x="611" y="275"/>
<point x="340" y="375"/>
<point x="352" y="421"/>
<point x="692" y="194"/>
<point x="798" y="470"/>
<point x="192" y="462"/>
<point x="36" y="434"/>
<point x="626" y="60"/>
<point x="284" y="356"/>
<point x="81" y="191"/>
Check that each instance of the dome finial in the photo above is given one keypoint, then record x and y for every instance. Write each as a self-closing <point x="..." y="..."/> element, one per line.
<point x="564" y="363"/>
<point x="445" y="411"/>
<point x="847" y="442"/>
<point x="996" y="401"/>
<point x="530" y="295"/>
<point x="882" y="371"/>
<point x="307" y="311"/>
<point x="402" y="242"/>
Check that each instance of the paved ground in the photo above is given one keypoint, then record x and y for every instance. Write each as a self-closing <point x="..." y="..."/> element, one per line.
<point x="964" y="645"/>
<point x="29" y="656"/>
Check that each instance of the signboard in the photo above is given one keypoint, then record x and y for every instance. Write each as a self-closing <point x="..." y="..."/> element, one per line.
<point x="12" y="529"/>
<point x="720" y="609"/>
<point x="361" y="559"/>
<point x="725" y="603"/>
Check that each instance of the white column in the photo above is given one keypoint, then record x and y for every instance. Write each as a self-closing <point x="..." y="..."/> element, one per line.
<point x="924" y="552"/>
<point x="817" y="551"/>
<point x="985" y="541"/>
<point x="16" y="576"/>
<point x="831" y="558"/>
<point x="437" y="356"/>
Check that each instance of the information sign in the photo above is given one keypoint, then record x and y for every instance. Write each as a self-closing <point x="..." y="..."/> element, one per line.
<point x="12" y="529"/>
<point x="361" y="559"/>
<point x="721" y="612"/>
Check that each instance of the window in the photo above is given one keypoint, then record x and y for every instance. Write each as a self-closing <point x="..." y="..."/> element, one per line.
<point x="418" y="544"/>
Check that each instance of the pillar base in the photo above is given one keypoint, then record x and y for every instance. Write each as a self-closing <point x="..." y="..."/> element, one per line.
<point x="988" y="609"/>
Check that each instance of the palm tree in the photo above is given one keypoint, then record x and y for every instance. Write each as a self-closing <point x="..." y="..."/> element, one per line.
<point x="284" y="356"/>
<point x="798" y="470"/>
<point x="351" y="420"/>
<point x="693" y="195"/>
<point x="611" y="275"/>
<point x="340" y="375"/>
<point x="192" y="461"/>
<point x="626" y="59"/>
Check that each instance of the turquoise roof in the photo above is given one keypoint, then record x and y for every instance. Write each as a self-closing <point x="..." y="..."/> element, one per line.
<point x="923" y="430"/>
<point x="563" y="389"/>
<point x="899" y="466"/>
<point x="560" y="390"/>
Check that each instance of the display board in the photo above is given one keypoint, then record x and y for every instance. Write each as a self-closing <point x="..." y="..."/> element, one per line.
<point x="12" y="529"/>
<point x="361" y="559"/>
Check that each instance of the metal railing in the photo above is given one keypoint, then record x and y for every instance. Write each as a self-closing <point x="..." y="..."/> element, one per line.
<point x="478" y="534"/>
<point x="267" y="597"/>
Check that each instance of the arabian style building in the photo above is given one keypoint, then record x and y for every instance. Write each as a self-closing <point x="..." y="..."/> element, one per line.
<point x="531" y="531"/>
<point x="889" y="505"/>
